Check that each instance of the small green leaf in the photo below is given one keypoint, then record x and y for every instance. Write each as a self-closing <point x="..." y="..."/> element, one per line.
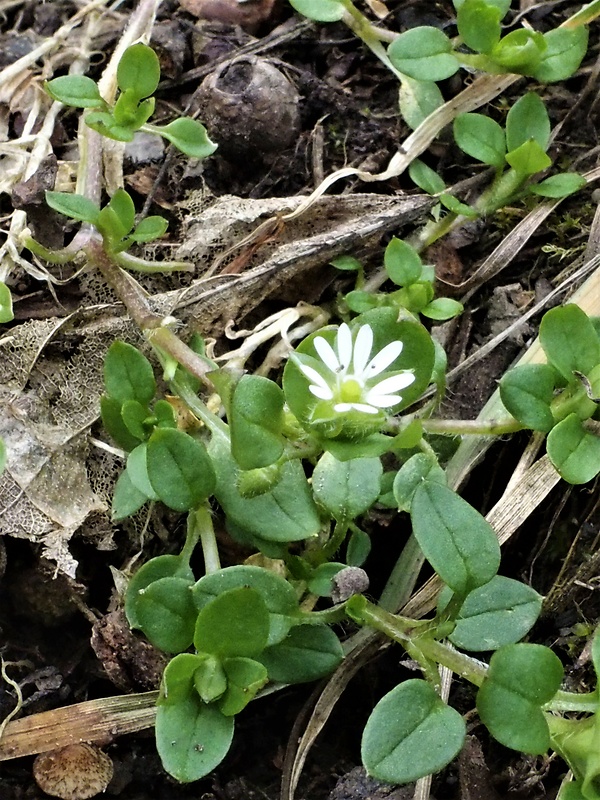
<point x="164" y="414"/>
<point x="6" y="309"/>
<point x="166" y="613"/>
<point x="149" y="228"/>
<point x="418" y="99"/>
<point x="442" y="308"/>
<point x="527" y="119"/>
<point x="245" y="677"/>
<point x="500" y="612"/>
<point x="134" y="415"/>
<point x="256" y="421"/>
<point x="320" y="582"/>
<point x="123" y="206"/>
<point x="319" y="10"/>
<point x="521" y="678"/>
<point x="411" y="733"/>
<point x="423" y="53"/>
<point x="569" y="340"/>
<point x="192" y="738"/>
<point x="235" y="623"/>
<point x="127" y="499"/>
<point x="105" y="124"/>
<point x="189" y="136"/>
<point x="128" y="374"/>
<point x="346" y="263"/>
<point x="110" y="411"/>
<point x="277" y="594"/>
<point x="346" y="489"/>
<point x="75" y="206"/>
<point x="479" y="25"/>
<point x="359" y="301"/>
<point x="481" y="138"/>
<point x="501" y="5"/>
<point x="457" y="541"/>
<point x="139" y="70"/>
<point x="528" y="159"/>
<point x="565" y="50"/>
<point x="179" y="469"/>
<point x="574" y="451"/>
<point x="557" y="186"/>
<point x="75" y="90"/>
<point x="160" y="567"/>
<point x="307" y="653"/>
<point x="411" y="474"/>
<point x="527" y="392"/>
<point x="454" y="205"/>
<point x="402" y="262"/>
<point x="137" y="470"/>
<point x="520" y="51"/>
<point x="425" y="177"/>
<point x="210" y="679"/>
<point x="358" y="548"/>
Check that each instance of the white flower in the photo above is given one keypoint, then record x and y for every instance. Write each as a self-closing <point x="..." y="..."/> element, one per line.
<point x="349" y="383"/>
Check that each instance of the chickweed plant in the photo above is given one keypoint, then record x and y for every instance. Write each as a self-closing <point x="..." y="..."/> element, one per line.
<point x="296" y="465"/>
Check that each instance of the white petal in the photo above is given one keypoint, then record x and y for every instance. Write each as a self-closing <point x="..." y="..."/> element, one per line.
<point x="343" y="343"/>
<point x="364" y="408"/>
<point x="383" y="359"/>
<point x="327" y="354"/>
<point x="362" y="348"/>
<point x="393" y="384"/>
<point x="313" y="376"/>
<point x="384" y="400"/>
<point x="322" y="392"/>
<point x="340" y="408"/>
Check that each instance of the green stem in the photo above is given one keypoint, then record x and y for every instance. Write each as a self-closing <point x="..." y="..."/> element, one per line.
<point x="370" y="35"/>
<point x="571" y="701"/>
<point x="333" y="545"/>
<point x="63" y="256"/>
<point x="471" y="427"/>
<point x="203" y="529"/>
<point x="328" y="616"/>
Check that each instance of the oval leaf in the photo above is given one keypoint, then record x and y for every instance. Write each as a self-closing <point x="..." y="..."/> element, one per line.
<point x="75" y="90"/>
<point x="6" y="308"/>
<point x="179" y="469"/>
<point x="235" y="623"/>
<point x="128" y="374"/>
<point x="347" y="489"/>
<point x="457" y="541"/>
<point x="139" y="70"/>
<point x="256" y="421"/>
<point x="423" y="53"/>
<point x="307" y="653"/>
<point x="481" y="138"/>
<point x="166" y="613"/>
<point x="569" y="340"/>
<point x="189" y="136"/>
<point x="75" y="206"/>
<point x="319" y="10"/>
<point x="527" y="392"/>
<point x="411" y="733"/>
<point x="574" y="451"/>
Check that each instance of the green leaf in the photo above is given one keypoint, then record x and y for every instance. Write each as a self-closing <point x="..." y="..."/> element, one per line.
<point x="528" y="159"/>
<point x="245" y="677"/>
<point x="160" y="567"/>
<point x="112" y="229"/>
<point x="500" y="612"/>
<point x="192" y="738"/>
<point x="454" y="205"/>
<point x="559" y="185"/>
<point x="166" y="613"/>
<point x="521" y="678"/>
<point x="235" y="623"/>
<point x="527" y="392"/>
<point x="179" y="469"/>
<point x="286" y="513"/>
<point x="569" y="340"/>
<point x="189" y="136"/>
<point x="319" y="10"/>
<point x="501" y="5"/>
<point x="149" y="229"/>
<point x="6" y="308"/>
<point x="134" y="415"/>
<point x="423" y="53"/>
<point x="411" y="733"/>
<point x="457" y="541"/>
<point x="278" y="595"/>
<point x="418" y="99"/>
<point x="479" y="25"/>
<point x="425" y="177"/>
<point x="442" y="308"/>
<point x="128" y="375"/>
<point x="110" y="411"/>
<point x="308" y="653"/>
<point x="527" y="119"/>
<point x="320" y="582"/>
<point x="122" y="204"/>
<point x="565" y="50"/>
<point x="346" y="263"/>
<point x="164" y="414"/>
<point x="402" y="262"/>
<point x="574" y="451"/>
<point x="210" y="679"/>
<point x="346" y="489"/>
<point x="371" y="447"/>
<point x="139" y="70"/>
<point x="256" y="421"/>
<point x="137" y="470"/>
<point x="75" y="206"/>
<point x="75" y="90"/>
<point x="106" y="125"/>
<point x="358" y="548"/>
<point x="127" y="499"/>
<point x="359" y="301"/>
<point x="481" y="138"/>
<point x="129" y="113"/>
<point x="520" y="51"/>
<point x="411" y="475"/>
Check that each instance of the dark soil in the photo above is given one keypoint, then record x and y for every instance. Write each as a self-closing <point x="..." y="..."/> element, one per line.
<point x="63" y="638"/>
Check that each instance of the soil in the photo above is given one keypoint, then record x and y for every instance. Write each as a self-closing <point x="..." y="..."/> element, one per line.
<point x="310" y="100"/>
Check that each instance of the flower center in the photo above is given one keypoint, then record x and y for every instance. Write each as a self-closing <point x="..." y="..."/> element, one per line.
<point x="350" y="391"/>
